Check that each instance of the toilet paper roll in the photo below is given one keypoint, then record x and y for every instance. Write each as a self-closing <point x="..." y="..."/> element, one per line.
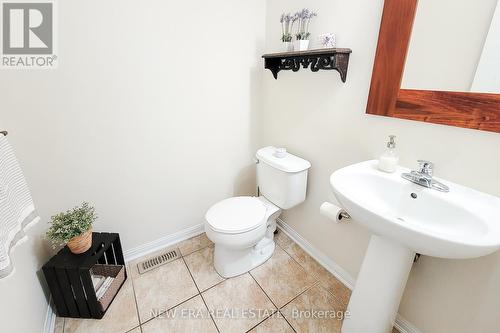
<point x="332" y="211"/>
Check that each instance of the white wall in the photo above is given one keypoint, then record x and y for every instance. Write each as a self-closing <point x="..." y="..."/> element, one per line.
<point x="323" y="120"/>
<point x="150" y="117"/>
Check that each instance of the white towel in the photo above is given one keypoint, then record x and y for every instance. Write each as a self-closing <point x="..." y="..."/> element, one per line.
<point x="17" y="211"/>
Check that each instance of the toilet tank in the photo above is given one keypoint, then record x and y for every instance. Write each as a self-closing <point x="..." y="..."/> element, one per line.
<point x="281" y="177"/>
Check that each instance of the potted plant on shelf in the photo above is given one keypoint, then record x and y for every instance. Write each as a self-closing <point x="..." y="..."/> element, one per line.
<point x="302" y="36"/>
<point x="74" y="228"/>
<point x="287" y="22"/>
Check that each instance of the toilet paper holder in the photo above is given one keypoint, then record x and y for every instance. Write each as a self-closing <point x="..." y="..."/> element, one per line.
<point x="334" y="212"/>
<point x="345" y="215"/>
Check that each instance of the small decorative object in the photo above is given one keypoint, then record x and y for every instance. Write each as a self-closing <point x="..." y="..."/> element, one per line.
<point x="74" y="228"/>
<point x="286" y="31"/>
<point x="302" y="36"/>
<point x="327" y="40"/>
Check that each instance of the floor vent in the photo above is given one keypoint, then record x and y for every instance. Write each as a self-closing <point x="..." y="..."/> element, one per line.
<point x="157" y="261"/>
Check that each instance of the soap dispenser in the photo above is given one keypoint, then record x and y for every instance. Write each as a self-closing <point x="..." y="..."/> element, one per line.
<point x="389" y="160"/>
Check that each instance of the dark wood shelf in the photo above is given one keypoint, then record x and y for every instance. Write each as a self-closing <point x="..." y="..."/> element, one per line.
<point x="319" y="59"/>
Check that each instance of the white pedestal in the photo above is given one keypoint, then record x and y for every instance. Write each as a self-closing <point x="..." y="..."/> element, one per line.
<point x="375" y="300"/>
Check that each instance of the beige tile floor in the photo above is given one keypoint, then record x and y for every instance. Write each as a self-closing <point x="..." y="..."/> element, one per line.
<point x="187" y="295"/>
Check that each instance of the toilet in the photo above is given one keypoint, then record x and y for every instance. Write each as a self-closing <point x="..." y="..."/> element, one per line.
<point x="242" y="228"/>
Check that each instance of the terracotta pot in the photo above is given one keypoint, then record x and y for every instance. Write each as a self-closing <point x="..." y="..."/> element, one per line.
<point x="81" y="243"/>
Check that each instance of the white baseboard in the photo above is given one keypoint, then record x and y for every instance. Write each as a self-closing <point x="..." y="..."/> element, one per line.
<point x="134" y="253"/>
<point x="403" y="325"/>
<point x="50" y="318"/>
<point x="165" y="241"/>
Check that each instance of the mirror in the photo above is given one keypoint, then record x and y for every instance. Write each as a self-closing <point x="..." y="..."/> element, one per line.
<point x="438" y="61"/>
<point x="454" y="46"/>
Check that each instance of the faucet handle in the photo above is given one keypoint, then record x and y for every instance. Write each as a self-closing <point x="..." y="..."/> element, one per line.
<point x="426" y="167"/>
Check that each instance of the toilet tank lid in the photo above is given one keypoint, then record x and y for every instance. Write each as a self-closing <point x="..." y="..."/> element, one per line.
<point x="287" y="163"/>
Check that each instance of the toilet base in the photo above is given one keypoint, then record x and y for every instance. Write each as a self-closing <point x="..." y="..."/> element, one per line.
<point x="229" y="262"/>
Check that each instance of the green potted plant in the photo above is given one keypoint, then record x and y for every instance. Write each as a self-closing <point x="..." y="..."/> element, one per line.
<point x="74" y="228"/>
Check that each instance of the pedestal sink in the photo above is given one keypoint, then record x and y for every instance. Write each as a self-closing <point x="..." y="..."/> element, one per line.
<point x="405" y="219"/>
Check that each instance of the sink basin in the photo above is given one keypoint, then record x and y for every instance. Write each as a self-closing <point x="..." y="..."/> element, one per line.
<point x="406" y="218"/>
<point x="463" y="223"/>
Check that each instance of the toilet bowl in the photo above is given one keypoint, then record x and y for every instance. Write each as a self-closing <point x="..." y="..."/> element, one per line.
<point x="242" y="228"/>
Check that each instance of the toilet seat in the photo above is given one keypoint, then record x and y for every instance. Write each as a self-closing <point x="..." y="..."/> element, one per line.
<point x="236" y="215"/>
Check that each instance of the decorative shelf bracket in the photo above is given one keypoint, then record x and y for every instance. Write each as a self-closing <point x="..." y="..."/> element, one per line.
<point x="322" y="59"/>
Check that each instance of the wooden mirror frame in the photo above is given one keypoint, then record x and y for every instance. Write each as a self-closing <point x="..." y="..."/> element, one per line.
<point x="463" y="109"/>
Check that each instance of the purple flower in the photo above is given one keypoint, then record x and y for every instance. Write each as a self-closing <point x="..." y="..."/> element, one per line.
<point x="286" y="18"/>
<point x="305" y="13"/>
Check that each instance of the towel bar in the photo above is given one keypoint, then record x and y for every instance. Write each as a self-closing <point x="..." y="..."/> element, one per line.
<point x="4" y="133"/>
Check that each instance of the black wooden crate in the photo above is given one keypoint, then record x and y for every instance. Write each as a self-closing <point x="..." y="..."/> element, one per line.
<point x="69" y="280"/>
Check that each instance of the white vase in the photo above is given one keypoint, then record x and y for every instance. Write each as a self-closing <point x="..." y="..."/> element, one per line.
<point x="301" y="45"/>
<point x="287" y="46"/>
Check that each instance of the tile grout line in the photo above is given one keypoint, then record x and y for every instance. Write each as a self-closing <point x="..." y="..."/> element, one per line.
<point x="215" y="285"/>
<point x="187" y="254"/>
<point x="293" y="328"/>
<point x="250" y="273"/>
<point x="317" y="278"/>
<point x="274" y="312"/>
<point x="306" y="290"/>
<point x="202" y="291"/>
<point x="317" y="283"/>
<point x="174" y="306"/>
<point x="278" y="308"/>
<point x="296" y="261"/>
<point x="211" y="317"/>
<point x="311" y="286"/>
<point x="135" y="298"/>
<point x="199" y="292"/>
<point x="171" y="308"/>
<point x="260" y="322"/>
<point x="335" y="297"/>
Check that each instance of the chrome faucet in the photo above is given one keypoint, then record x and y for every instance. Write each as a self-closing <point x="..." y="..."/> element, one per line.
<point x="423" y="177"/>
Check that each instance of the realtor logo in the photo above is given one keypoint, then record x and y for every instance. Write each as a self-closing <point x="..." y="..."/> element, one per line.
<point x="28" y="34"/>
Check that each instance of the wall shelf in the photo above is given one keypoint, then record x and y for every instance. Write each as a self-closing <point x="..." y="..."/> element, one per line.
<point x="320" y="59"/>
